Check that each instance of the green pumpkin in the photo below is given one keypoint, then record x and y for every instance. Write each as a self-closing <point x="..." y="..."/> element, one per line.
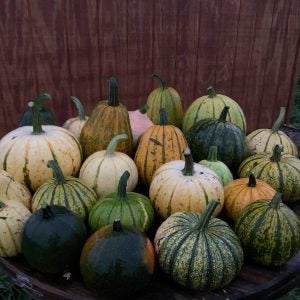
<point x="52" y="239"/>
<point x="269" y="231"/>
<point x="133" y="209"/>
<point x="117" y="261"/>
<point x="228" y="137"/>
<point x="218" y="166"/>
<point x="67" y="191"/>
<point x="167" y="98"/>
<point x="198" y="251"/>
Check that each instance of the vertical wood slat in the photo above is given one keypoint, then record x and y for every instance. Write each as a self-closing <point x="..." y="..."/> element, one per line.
<point x="247" y="49"/>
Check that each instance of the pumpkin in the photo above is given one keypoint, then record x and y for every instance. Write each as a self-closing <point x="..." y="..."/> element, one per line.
<point x="108" y="119"/>
<point x="264" y="140"/>
<point x="211" y="106"/>
<point x="52" y="239"/>
<point x="25" y="151"/>
<point x="75" y="124"/>
<point x="165" y="97"/>
<point x="228" y="137"/>
<point x="13" y="216"/>
<point x="102" y="170"/>
<point x="184" y="186"/>
<point x="240" y="192"/>
<point x="10" y="189"/>
<point x="158" y="145"/>
<point x="139" y="122"/>
<point x="269" y="231"/>
<point x="280" y="171"/>
<point x="66" y="191"/>
<point x="216" y="165"/>
<point x="198" y="251"/>
<point x="117" y="261"/>
<point x="132" y="209"/>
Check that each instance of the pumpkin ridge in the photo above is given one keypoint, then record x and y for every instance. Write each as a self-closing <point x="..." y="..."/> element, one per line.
<point x="146" y="219"/>
<point x="95" y="183"/>
<point x="128" y="206"/>
<point x="108" y="220"/>
<point x="169" y="209"/>
<point x="228" y="113"/>
<point x="74" y="190"/>
<point x="267" y="142"/>
<point x="204" y="191"/>
<point x="197" y="114"/>
<point x="267" y="164"/>
<point x="11" y="233"/>
<point x="291" y="228"/>
<point x="3" y="249"/>
<point x="258" y="223"/>
<point x="208" y="262"/>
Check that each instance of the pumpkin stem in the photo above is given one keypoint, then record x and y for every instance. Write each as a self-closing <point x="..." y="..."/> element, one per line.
<point x="211" y="92"/>
<point x="163" y="118"/>
<point x="113" y="143"/>
<point x="143" y="109"/>
<point x="2" y="205"/>
<point x="206" y="214"/>
<point x="279" y="121"/>
<point x="162" y="81"/>
<point x="277" y="153"/>
<point x="252" y="180"/>
<point x="223" y="114"/>
<point x="276" y="200"/>
<point x="58" y="174"/>
<point x="213" y="153"/>
<point x="36" y="107"/>
<point x="113" y="99"/>
<point x="189" y="163"/>
<point x="117" y="226"/>
<point x="122" y="186"/>
<point x="80" y="108"/>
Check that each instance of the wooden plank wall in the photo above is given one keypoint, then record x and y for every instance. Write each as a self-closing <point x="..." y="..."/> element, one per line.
<point x="247" y="49"/>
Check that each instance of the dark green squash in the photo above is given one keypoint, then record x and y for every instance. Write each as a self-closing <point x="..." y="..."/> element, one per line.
<point x="117" y="261"/>
<point x="228" y="137"/>
<point x="52" y="240"/>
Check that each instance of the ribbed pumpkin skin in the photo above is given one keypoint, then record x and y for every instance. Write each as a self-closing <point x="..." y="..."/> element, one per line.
<point x="104" y="123"/>
<point x="53" y="244"/>
<point x="270" y="236"/>
<point x="229" y="139"/>
<point x="238" y="194"/>
<point x="117" y="263"/>
<point x="199" y="260"/>
<point x="159" y="144"/>
<point x="10" y="189"/>
<point x="25" y="155"/>
<point x="171" y="191"/>
<point x="75" y="125"/>
<point x="73" y="194"/>
<point x="283" y="176"/>
<point x="12" y="220"/>
<point x="205" y="107"/>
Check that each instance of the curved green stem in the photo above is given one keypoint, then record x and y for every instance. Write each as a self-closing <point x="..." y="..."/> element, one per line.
<point x="279" y="121"/>
<point x="162" y="81"/>
<point x="122" y="186"/>
<point x="80" y="108"/>
<point x="211" y="92"/>
<point x="277" y="150"/>
<point x="114" y="142"/>
<point x="213" y="153"/>
<point x="117" y="226"/>
<point x="58" y="174"/>
<point x="113" y="99"/>
<point x="206" y="214"/>
<point x="47" y="212"/>
<point x="252" y="180"/>
<point x="189" y="163"/>
<point x="143" y="109"/>
<point x="163" y="118"/>
<point x="276" y="200"/>
<point x="223" y="114"/>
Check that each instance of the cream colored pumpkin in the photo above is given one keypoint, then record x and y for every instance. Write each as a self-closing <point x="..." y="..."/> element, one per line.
<point x="13" y="216"/>
<point x="10" y="189"/>
<point x="184" y="186"/>
<point x="102" y="170"/>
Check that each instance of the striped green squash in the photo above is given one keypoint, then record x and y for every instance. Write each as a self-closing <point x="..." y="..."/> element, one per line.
<point x="165" y="97"/>
<point x="228" y="137"/>
<point x="264" y="140"/>
<point x="65" y="191"/>
<point x="198" y="251"/>
<point x="132" y="209"/>
<point x="280" y="171"/>
<point x="269" y="231"/>
<point x="210" y="106"/>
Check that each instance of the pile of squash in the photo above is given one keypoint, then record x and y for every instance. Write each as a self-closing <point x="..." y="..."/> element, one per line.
<point x="119" y="193"/>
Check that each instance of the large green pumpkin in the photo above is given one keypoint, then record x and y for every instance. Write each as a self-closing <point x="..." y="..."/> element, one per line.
<point x="117" y="261"/>
<point x="210" y="106"/>
<point x="229" y="139"/>
<point x="52" y="239"/>
<point x="67" y="191"/>
<point x="132" y="209"/>
<point x="198" y="251"/>
<point x="269" y="231"/>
